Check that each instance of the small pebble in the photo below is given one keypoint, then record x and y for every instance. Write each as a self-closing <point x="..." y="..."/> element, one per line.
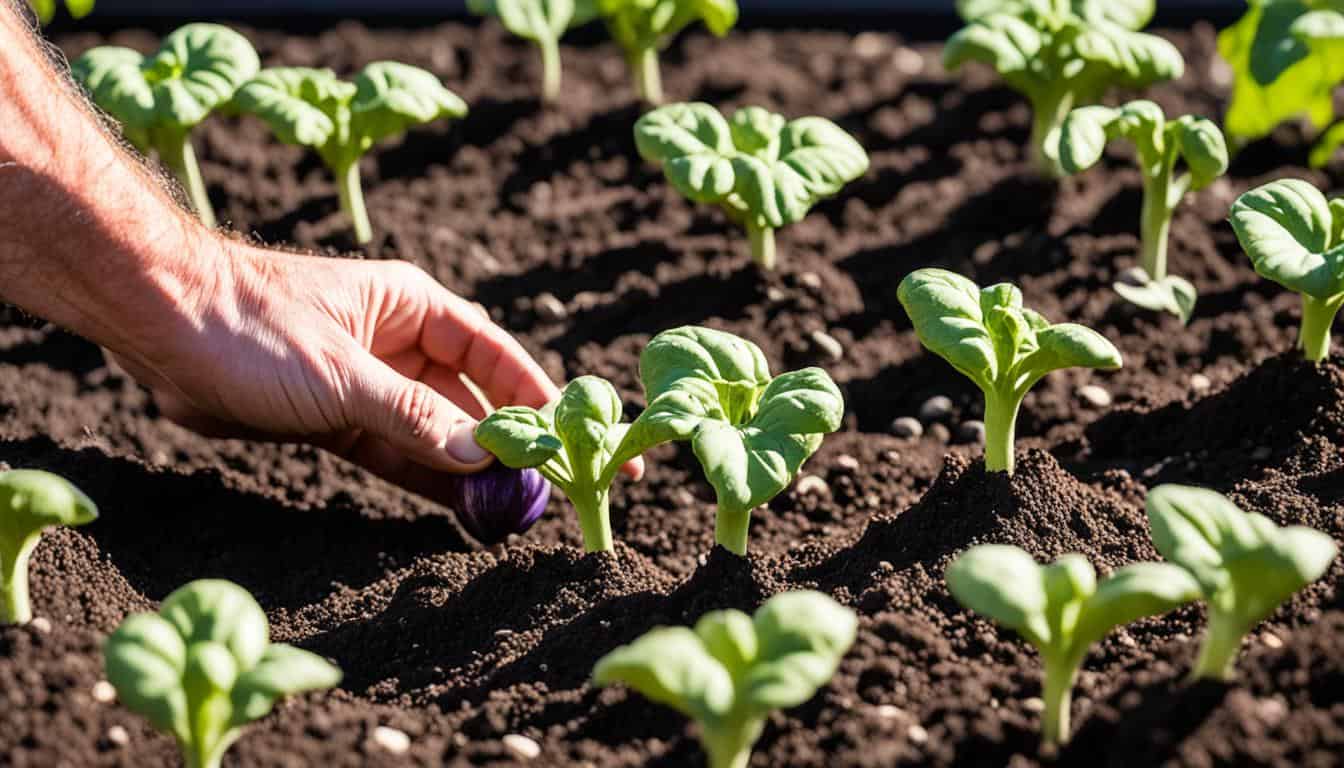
<point x="906" y="426"/>
<point x="889" y="711"/>
<point x="936" y="408"/>
<point x="1095" y="396"/>
<point x="972" y="431"/>
<point x="392" y="740"/>
<point x="810" y="280"/>
<point x="870" y="45"/>
<point x="811" y="485"/>
<point x="827" y="345"/>
<point x="549" y="308"/>
<point x="103" y="692"/>
<point x="41" y="624"/>
<point x="118" y="735"/>
<point x="1199" y="382"/>
<point x="1272" y="711"/>
<point x="775" y="295"/>
<point x="1033" y="704"/>
<point x="940" y="433"/>
<point x="917" y="734"/>
<point x="1271" y="640"/>
<point x="847" y="463"/>
<point x="521" y="746"/>
<point x="908" y="61"/>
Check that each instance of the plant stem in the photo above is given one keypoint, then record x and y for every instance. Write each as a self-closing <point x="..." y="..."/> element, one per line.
<point x="729" y="746"/>
<point x="648" y="77"/>
<point x="731" y="528"/>
<point x="1155" y="224"/>
<point x="594" y="520"/>
<point x="15" y="607"/>
<point x="176" y="153"/>
<point x="550" y="69"/>
<point x="352" y="201"/>
<point x="1046" y="118"/>
<point x="762" y="245"/>
<point x="1317" y="317"/>
<point x="1000" y="430"/>
<point x="1218" y="653"/>
<point x="1057" y="693"/>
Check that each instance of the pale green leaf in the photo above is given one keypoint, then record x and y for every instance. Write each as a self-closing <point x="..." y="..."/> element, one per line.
<point x="945" y="310"/>
<point x="1286" y="228"/>
<point x="1005" y="584"/>
<point x="1172" y="294"/>
<point x="1131" y="593"/>
<point x="302" y="106"/>
<point x="282" y="670"/>
<point x="802" y="637"/>
<point x="518" y="436"/>
<point x="730" y="637"/>
<point x="671" y="666"/>
<point x="391" y="97"/>
<point x="219" y="611"/>
<point x="1068" y="345"/>
<point x="145" y="659"/>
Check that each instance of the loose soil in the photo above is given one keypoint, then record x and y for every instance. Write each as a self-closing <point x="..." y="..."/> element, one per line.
<point x="458" y="647"/>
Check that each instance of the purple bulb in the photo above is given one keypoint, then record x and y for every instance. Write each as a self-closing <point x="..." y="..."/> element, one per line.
<point x="498" y="501"/>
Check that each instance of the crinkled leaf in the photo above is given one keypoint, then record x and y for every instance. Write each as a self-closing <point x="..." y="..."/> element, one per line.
<point x="671" y="666"/>
<point x="112" y="75"/>
<point x="1131" y="593"/>
<point x="518" y="436"/>
<point x="1286" y="227"/>
<point x="1005" y="584"/>
<point x="694" y="145"/>
<point x="145" y="659"/>
<point x="823" y="155"/>
<point x="529" y="19"/>
<point x="730" y="637"/>
<point x="1122" y="57"/>
<point x="945" y="310"/>
<point x="391" y="97"/>
<point x="746" y="466"/>
<point x="1005" y="42"/>
<point x="736" y="367"/>
<point x="587" y="411"/>
<point x="756" y="131"/>
<point x="803" y="636"/>
<point x="302" y="106"/>
<point x="1131" y="14"/>
<point x="219" y="611"/>
<point x="1172" y="294"/>
<point x="197" y="69"/>
<point x="283" y="670"/>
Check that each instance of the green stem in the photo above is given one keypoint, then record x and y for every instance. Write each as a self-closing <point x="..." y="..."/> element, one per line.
<point x="1000" y="430"/>
<point x="1218" y="653"/>
<point x="594" y="520"/>
<point x="648" y="77"/>
<point x="550" y="69"/>
<point x="731" y="528"/>
<point x="15" y="607"/>
<point x="762" y="245"/>
<point x="1155" y="225"/>
<point x="176" y="153"/>
<point x="1046" y="119"/>
<point x="1317" y="317"/>
<point x="352" y="201"/>
<point x="729" y="745"/>
<point x="1057" y="694"/>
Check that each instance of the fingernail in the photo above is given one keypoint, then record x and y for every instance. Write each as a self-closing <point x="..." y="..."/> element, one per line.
<point x="462" y="446"/>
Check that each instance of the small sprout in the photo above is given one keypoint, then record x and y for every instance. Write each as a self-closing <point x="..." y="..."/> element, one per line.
<point x="498" y="501"/>
<point x="1244" y="563"/>
<point x="1286" y="63"/>
<point x="1062" y="54"/>
<point x="31" y="501"/>
<point x="732" y="670"/>
<point x="158" y="99"/>
<point x="1005" y="348"/>
<point x="341" y="121"/>
<point x="543" y="22"/>
<point x="750" y="432"/>
<point x="203" y="667"/>
<point x="765" y="172"/>
<point x="644" y="27"/>
<point x="46" y="9"/>
<point x="1296" y="238"/>
<point x="1161" y="144"/>
<point x="1062" y="609"/>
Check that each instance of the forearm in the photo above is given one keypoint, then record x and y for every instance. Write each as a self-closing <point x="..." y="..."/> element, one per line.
<point x="89" y="237"/>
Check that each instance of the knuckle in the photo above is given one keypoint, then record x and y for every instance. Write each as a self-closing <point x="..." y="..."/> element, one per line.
<point x="417" y="407"/>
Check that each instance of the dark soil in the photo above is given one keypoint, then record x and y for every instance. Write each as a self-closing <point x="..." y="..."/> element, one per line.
<point x="459" y="647"/>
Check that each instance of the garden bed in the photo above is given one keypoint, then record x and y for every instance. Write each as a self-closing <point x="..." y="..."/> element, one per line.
<point x="549" y="219"/>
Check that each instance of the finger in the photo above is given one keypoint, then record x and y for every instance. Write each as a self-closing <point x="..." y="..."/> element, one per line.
<point x="413" y="418"/>
<point x="448" y="383"/>
<point x="634" y="468"/>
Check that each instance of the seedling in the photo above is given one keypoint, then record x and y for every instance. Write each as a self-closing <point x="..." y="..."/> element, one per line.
<point x="46" y="9"/>
<point x="1002" y="346"/>
<point x="1296" y="238"/>
<point x="644" y="27"/>
<point x="158" y="99"/>
<point x="30" y="502"/>
<point x="341" y="121"/>
<point x="543" y="22"/>
<point x="1244" y="563"/>
<point x="732" y="670"/>
<point x="1062" y="54"/>
<point x="203" y="667"/>
<point x="765" y="172"/>
<point x="751" y="432"/>
<point x="1287" y="58"/>
<point x="1161" y="145"/>
<point x="1062" y="609"/>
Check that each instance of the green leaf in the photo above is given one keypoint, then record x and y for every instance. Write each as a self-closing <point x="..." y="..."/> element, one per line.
<point x="391" y="97"/>
<point x="529" y="19"/>
<point x="1171" y="294"/>
<point x="1067" y="346"/>
<point x="1326" y="146"/>
<point x="44" y="9"/>
<point x="1131" y="14"/>
<point x="218" y="611"/>
<point x="671" y="666"/>
<point x="145" y="659"/>
<point x="79" y="8"/>
<point x="301" y="105"/>
<point x="803" y="636"/>
<point x="1203" y="148"/>
<point x="1084" y="136"/>
<point x="1005" y="584"/>
<point x="1131" y="593"/>
<point x="31" y="499"/>
<point x="587" y="411"/>
<point x="730" y="637"/>
<point x="734" y="366"/>
<point x="822" y="154"/>
<point x="1120" y="57"/>
<point x="1005" y="42"/>
<point x="113" y="78"/>
<point x="694" y="145"/>
<point x="283" y="670"/>
<point x="945" y="310"/>
<point x="518" y="436"/>
<point x="1286" y="227"/>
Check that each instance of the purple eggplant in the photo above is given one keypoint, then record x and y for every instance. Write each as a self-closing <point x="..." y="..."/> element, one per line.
<point x="498" y="501"/>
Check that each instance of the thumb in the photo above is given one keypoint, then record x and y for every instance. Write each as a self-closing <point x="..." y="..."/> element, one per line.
<point x="414" y="418"/>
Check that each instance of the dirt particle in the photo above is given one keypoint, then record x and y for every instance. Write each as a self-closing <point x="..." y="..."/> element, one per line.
<point x="118" y="736"/>
<point x="41" y="624"/>
<point x="1095" y="396"/>
<point x="971" y="432"/>
<point x="549" y="308"/>
<point x="917" y="734"/>
<point x="103" y="692"/>
<point x="812" y="485"/>
<point x="907" y="427"/>
<point x="936" y="408"/>
<point x="521" y="746"/>
<point x="392" y="740"/>
<point x="828" y="346"/>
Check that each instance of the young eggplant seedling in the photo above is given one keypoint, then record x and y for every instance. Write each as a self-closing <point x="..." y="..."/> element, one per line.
<point x="204" y="666"/>
<point x="1062" y="609"/>
<point x="644" y="27"/>
<point x="732" y="670"/>
<point x="31" y="501"/>
<point x="341" y="121"/>
<point x="543" y="22"/>
<point x="1295" y="237"/>
<point x="158" y="99"/>
<point x="750" y="431"/>
<point x="1061" y="54"/>
<point x="1005" y="348"/>
<point x="46" y="9"/>
<point x="765" y="172"/>
<point x="1244" y="563"/>
<point x="1161" y="145"/>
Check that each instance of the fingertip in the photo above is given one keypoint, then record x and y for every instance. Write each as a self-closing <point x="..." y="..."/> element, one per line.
<point x="463" y="454"/>
<point x="634" y="468"/>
